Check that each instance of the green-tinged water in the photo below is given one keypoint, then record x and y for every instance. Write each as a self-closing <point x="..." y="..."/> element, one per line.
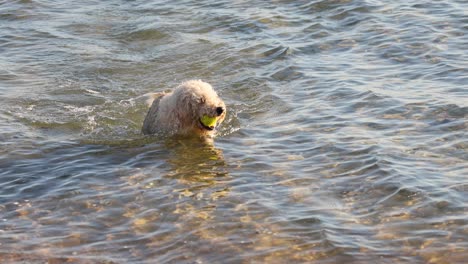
<point x="345" y="139"/>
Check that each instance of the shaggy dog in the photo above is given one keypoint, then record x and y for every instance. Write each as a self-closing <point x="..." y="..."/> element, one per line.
<point x="193" y="108"/>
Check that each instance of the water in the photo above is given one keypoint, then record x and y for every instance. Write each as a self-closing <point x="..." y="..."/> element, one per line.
<point x="345" y="140"/>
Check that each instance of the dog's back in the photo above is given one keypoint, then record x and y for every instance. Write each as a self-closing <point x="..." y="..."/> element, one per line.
<point x="150" y="124"/>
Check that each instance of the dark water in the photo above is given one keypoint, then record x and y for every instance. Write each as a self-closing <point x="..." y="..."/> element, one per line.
<point x="345" y="141"/>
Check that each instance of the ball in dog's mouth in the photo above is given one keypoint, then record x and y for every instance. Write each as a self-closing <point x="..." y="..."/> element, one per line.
<point x="208" y="122"/>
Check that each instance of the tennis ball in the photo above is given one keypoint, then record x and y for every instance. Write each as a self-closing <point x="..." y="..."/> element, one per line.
<point x="208" y="121"/>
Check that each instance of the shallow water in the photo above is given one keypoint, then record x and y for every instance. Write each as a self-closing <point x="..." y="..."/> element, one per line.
<point x="345" y="140"/>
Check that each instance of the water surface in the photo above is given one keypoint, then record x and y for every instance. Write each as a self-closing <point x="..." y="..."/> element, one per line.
<point x="345" y="140"/>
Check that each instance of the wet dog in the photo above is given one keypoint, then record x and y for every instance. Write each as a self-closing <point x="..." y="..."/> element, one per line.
<point x="193" y="108"/>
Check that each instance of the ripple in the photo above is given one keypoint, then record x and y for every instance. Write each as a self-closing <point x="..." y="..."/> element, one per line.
<point x="277" y="52"/>
<point x="287" y="74"/>
<point x="146" y="35"/>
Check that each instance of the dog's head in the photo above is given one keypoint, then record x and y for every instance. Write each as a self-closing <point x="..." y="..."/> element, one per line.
<point x="201" y="109"/>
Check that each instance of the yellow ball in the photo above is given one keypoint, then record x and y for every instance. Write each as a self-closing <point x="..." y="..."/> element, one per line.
<point x="208" y="121"/>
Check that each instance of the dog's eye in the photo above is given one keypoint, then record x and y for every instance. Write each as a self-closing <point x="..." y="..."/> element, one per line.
<point x="202" y="100"/>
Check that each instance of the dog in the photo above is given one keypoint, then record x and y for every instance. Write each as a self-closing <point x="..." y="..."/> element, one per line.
<point x="193" y="108"/>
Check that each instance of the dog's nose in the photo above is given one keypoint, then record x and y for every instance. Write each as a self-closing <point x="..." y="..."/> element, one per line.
<point x="219" y="110"/>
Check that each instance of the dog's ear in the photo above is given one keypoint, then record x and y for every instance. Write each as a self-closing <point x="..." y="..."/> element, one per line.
<point x="202" y="100"/>
<point x="187" y="107"/>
